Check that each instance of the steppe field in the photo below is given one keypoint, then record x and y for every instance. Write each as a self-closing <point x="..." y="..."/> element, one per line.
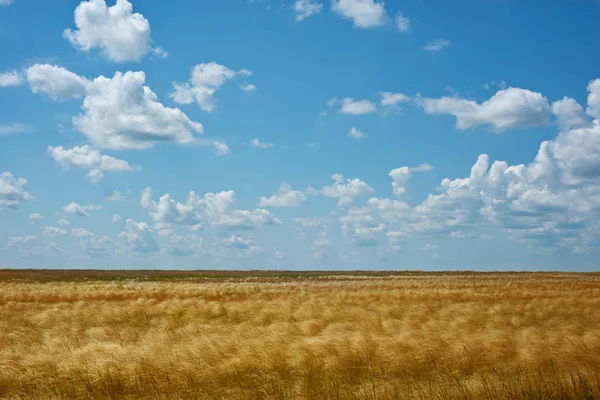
<point x="309" y="335"/>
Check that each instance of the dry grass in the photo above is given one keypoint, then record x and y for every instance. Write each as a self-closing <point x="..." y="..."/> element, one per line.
<point x="454" y="336"/>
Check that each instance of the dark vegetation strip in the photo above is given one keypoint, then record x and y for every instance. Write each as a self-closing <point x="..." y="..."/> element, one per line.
<point x="53" y="275"/>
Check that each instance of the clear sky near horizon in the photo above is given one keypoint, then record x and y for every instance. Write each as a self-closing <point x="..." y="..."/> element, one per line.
<point x="309" y="134"/>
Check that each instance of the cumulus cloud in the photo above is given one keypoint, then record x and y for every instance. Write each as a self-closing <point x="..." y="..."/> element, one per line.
<point x="306" y="8"/>
<point x="10" y="78"/>
<point x="115" y="196"/>
<point x="53" y="231"/>
<point x="221" y="149"/>
<point x="401" y="176"/>
<point x="593" y="108"/>
<point x="257" y="144"/>
<point x="180" y="245"/>
<point x="12" y="191"/>
<point x="363" y="13"/>
<point x="551" y="203"/>
<point x="244" y="245"/>
<point x="508" y="108"/>
<point x="19" y="242"/>
<point x="87" y="158"/>
<point x="116" y="218"/>
<point x="12" y="129"/>
<point x="321" y="245"/>
<point x="205" y="80"/>
<point x="361" y="229"/>
<point x="117" y="113"/>
<point x="285" y="197"/>
<point x="402" y="22"/>
<point x="569" y="113"/>
<point x="117" y="32"/>
<point x="237" y="241"/>
<point x="391" y="101"/>
<point x="82" y="211"/>
<point x="309" y="222"/>
<point x="346" y="190"/>
<point x="214" y="209"/>
<point x="247" y="87"/>
<point x="138" y="237"/>
<point x="95" y="175"/>
<point x="35" y="216"/>
<point x="353" y="107"/>
<point x="436" y="45"/>
<point x="121" y="113"/>
<point x="56" y="82"/>
<point x="356" y="134"/>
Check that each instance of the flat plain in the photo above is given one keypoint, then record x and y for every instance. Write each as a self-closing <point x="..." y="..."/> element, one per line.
<point x="298" y="335"/>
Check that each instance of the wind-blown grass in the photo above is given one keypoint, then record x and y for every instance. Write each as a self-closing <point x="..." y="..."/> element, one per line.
<point x="455" y="336"/>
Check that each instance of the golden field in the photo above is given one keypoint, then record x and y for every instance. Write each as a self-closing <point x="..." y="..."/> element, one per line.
<point x="299" y="336"/>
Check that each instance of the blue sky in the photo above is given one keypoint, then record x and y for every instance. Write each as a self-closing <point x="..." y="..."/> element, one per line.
<point x="343" y="134"/>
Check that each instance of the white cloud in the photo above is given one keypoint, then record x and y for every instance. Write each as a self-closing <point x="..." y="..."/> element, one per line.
<point x="346" y="190"/>
<point x="82" y="211"/>
<point x="35" y="216"/>
<point x="181" y="246"/>
<point x="430" y="247"/>
<point x="356" y="134"/>
<point x="320" y="245"/>
<point x="390" y="101"/>
<point x="5" y="2"/>
<point x="257" y="144"/>
<point x="243" y="244"/>
<point x="569" y="113"/>
<point x="53" y="231"/>
<point x="247" y="87"/>
<point x="364" y="13"/>
<point x="237" y="242"/>
<point x="116" y="218"/>
<point x="95" y="175"/>
<point x="309" y="222"/>
<point x="279" y="255"/>
<point x="285" y="197"/>
<point x="87" y="158"/>
<point x="12" y="192"/>
<point x="11" y="78"/>
<point x="21" y="241"/>
<point x="493" y="84"/>
<point x="205" y="80"/>
<point x="115" y="196"/>
<point x="306" y="8"/>
<point x="215" y="209"/>
<point x="11" y="129"/>
<point x="119" y="33"/>
<point x="118" y="112"/>
<point x="360" y="228"/>
<point x="64" y="222"/>
<point x="551" y="203"/>
<point x="436" y="45"/>
<point x="402" y="175"/>
<point x="221" y="149"/>
<point x="138" y="237"/>
<point x="122" y="113"/>
<point x="57" y="82"/>
<point x="508" y="108"/>
<point x="593" y="109"/>
<point x="353" y="107"/>
<point x="402" y="22"/>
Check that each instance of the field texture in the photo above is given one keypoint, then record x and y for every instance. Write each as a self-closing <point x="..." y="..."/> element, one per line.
<point x="299" y="336"/>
